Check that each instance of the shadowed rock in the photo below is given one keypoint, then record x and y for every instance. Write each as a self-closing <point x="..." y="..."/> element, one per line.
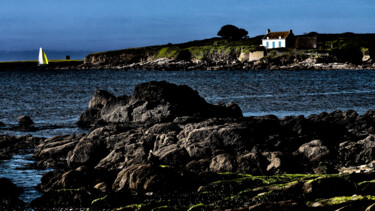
<point x="9" y="194"/>
<point x="165" y="140"/>
<point x="25" y="121"/>
<point x="10" y="145"/>
<point x="153" y="102"/>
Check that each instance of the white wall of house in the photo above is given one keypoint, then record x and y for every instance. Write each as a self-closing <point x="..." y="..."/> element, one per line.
<point x="279" y="43"/>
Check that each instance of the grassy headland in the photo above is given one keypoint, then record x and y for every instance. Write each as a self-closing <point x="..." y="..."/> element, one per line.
<point x="331" y="48"/>
<point x="225" y="53"/>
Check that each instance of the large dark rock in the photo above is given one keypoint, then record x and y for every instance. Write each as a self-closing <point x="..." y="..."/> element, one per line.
<point x="313" y="150"/>
<point x="356" y="153"/>
<point x="52" y="152"/>
<point x="89" y="118"/>
<point x="143" y="178"/>
<point x="101" y="102"/>
<point x="252" y="163"/>
<point x="87" y="152"/>
<point x="100" y="98"/>
<point x="223" y="163"/>
<point x="153" y="102"/>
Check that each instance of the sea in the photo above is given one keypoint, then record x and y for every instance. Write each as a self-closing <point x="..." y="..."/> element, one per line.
<point x="54" y="99"/>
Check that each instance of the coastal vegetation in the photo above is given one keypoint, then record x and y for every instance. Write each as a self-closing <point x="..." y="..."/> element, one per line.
<point x="350" y="51"/>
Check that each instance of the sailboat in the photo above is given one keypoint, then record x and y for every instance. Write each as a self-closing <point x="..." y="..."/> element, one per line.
<point x="42" y="59"/>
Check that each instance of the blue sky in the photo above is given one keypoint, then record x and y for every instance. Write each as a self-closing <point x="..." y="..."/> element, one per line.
<point x="97" y="25"/>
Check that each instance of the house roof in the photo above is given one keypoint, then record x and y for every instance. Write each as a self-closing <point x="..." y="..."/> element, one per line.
<point x="276" y="35"/>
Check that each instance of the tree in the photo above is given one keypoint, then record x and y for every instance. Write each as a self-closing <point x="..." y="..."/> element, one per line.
<point x="232" y="32"/>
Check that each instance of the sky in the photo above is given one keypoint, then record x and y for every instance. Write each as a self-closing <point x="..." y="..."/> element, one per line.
<point x="97" y="25"/>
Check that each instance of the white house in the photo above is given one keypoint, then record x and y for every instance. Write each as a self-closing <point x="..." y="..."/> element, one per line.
<point x="278" y="39"/>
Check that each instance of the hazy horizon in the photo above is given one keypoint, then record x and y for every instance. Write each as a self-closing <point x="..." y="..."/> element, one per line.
<point x="21" y="55"/>
<point x="93" y="26"/>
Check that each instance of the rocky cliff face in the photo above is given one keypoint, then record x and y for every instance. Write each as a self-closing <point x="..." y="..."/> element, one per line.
<point x="228" y="59"/>
<point x="145" y="55"/>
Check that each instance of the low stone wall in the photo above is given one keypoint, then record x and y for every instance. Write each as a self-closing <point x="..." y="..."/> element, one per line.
<point x="252" y="56"/>
<point x="256" y="55"/>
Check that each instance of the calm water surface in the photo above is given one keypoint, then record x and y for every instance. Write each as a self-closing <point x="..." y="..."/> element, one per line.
<point x="18" y="171"/>
<point x="57" y="98"/>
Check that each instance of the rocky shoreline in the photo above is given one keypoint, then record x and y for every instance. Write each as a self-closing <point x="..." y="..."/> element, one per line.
<point x="166" y="148"/>
<point x="170" y="64"/>
<point x="165" y="64"/>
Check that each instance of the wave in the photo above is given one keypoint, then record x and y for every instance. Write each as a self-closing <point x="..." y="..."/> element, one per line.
<point x="289" y="94"/>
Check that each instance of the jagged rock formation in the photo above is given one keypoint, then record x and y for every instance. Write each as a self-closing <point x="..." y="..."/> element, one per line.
<point x="181" y="154"/>
<point x="152" y="102"/>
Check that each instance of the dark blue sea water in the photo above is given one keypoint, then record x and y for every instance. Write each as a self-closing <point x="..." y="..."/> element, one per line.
<point x="57" y="98"/>
<point x="18" y="171"/>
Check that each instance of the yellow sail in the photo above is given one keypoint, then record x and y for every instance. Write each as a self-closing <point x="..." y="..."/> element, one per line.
<point x="42" y="59"/>
<point x="45" y="60"/>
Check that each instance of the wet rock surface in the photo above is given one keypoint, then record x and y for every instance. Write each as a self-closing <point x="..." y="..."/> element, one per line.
<point x="9" y="194"/>
<point x="232" y="62"/>
<point x="10" y="145"/>
<point x="172" y="65"/>
<point x="165" y="147"/>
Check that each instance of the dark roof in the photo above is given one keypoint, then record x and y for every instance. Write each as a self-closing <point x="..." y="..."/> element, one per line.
<point x="276" y="35"/>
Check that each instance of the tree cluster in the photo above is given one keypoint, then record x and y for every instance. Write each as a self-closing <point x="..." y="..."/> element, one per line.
<point x="232" y="32"/>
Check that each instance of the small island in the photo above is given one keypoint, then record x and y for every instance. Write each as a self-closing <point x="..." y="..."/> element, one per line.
<point x="235" y="50"/>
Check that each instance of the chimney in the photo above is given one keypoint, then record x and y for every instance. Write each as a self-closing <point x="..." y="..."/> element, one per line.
<point x="268" y="31"/>
<point x="290" y="31"/>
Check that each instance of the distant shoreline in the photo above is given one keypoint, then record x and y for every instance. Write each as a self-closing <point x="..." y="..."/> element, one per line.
<point x="331" y="52"/>
<point x="33" y="65"/>
<point x="168" y="65"/>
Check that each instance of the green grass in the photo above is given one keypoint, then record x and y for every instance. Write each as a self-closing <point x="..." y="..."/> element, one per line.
<point x="198" y="49"/>
<point x="98" y="200"/>
<point x="200" y="206"/>
<point x="339" y="200"/>
<point x="344" y="47"/>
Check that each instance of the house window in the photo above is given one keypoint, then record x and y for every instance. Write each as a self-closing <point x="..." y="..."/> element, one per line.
<point x="273" y="44"/>
<point x="279" y="43"/>
<point x="267" y="44"/>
